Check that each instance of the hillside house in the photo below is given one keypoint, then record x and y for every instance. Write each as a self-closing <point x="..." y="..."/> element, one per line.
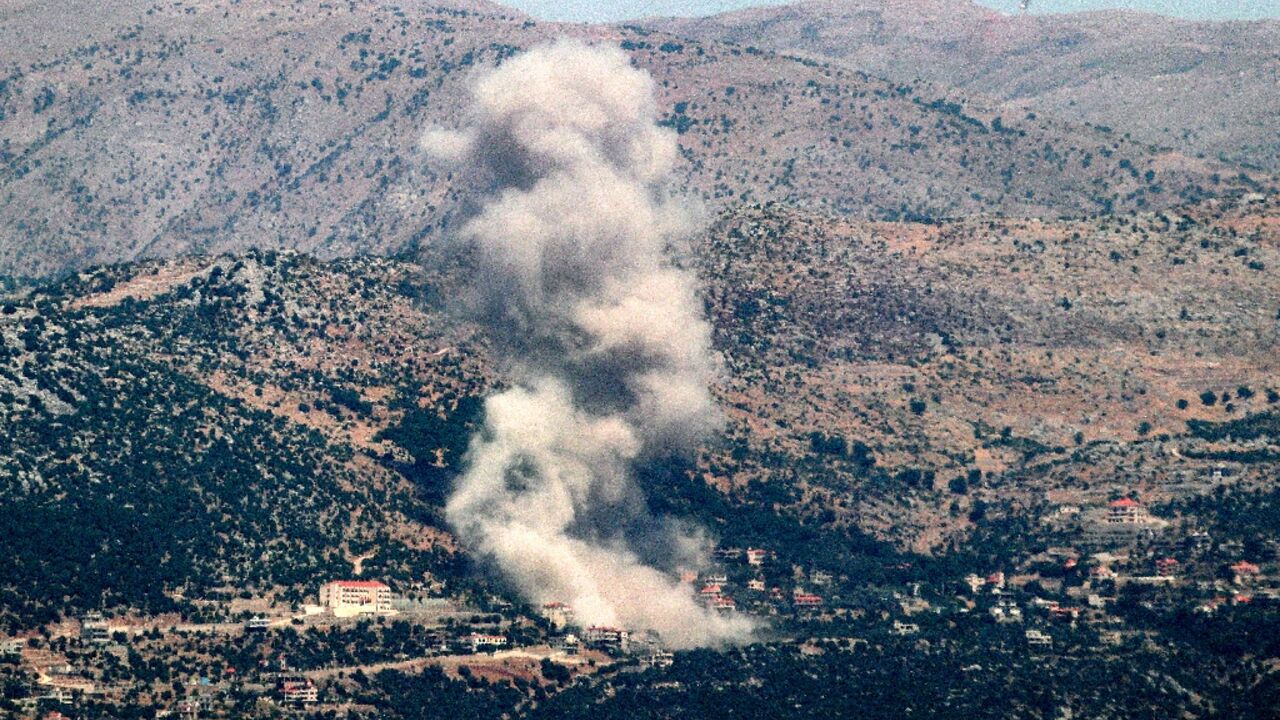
<point x="257" y="624"/>
<point x="94" y="629"/>
<point x="1244" y="572"/>
<point x="298" y="691"/>
<point x="1126" y="510"/>
<point x="723" y="603"/>
<point x="803" y="599"/>
<point x="480" y="642"/>
<point x="1006" y="611"/>
<point x="608" y="638"/>
<point x="1125" y="521"/>
<point x="350" y="598"/>
<point x="659" y="659"/>
<point x="558" y="614"/>
<point x="1038" y="639"/>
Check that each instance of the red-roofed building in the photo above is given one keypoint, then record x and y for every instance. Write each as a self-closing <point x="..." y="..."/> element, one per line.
<point x="807" y="600"/>
<point x="723" y="603"/>
<point x="559" y="614"/>
<point x="1064" y="613"/>
<point x="1126" y="510"/>
<point x="1245" y="570"/>
<point x="348" y="598"/>
<point x="1167" y="567"/>
<point x="299" y="691"/>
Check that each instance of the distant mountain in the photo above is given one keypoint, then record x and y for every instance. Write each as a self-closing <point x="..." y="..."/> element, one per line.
<point x="158" y="130"/>
<point x="1201" y="87"/>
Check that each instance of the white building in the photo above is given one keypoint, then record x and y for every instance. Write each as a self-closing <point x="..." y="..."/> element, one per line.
<point x="94" y="628"/>
<point x="481" y="642"/>
<point x="349" y="598"/>
<point x="659" y="659"/>
<point x="1036" y="638"/>
<point x="299" y="691"/>
<point x="1006" y="611"/>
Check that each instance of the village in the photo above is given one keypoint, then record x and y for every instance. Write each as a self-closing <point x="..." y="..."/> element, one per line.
<point x="1084" y="595"/>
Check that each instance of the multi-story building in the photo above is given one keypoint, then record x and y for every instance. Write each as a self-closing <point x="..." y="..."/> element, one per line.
<point x="1125" y="521"/>
<point x="299" y="691"/>
<point x="558" y="614"/>
<point x="1126" y="510"/>
<point x="1036" y="638"/>
<point x="94" y="628"/>
<point x="659" y="659"/>
<point x="609" y="638"/>
<point x="349" y="598"/>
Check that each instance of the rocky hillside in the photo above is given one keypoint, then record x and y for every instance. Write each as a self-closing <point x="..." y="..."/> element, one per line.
<point x="173" y="428"/>
<point x="206" y="127"/>
<point x="904" y="375"/>
<point x="1200" y="87"/>
<point x="169" y="428"/>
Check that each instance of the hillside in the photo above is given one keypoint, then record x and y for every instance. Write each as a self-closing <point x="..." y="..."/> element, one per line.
<point x="910" y="408"/>
<point x="181" y="128"/>
<point x="884" y="380"/>
<point x="1199" y="87"/>
<point x="173" y="428"/>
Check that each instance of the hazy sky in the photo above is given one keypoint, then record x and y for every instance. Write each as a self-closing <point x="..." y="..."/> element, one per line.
<point x="602" y="10"/>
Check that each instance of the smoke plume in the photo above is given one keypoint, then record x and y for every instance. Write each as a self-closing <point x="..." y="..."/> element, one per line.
<point x="609" y="351"/>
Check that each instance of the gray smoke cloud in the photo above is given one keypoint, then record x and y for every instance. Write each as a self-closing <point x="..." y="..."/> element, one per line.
<point x="608" y="347"/>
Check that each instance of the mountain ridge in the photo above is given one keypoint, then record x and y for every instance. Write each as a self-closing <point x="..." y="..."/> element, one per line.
<point x="292" y="129"/>
<point x="1180" y="83"/>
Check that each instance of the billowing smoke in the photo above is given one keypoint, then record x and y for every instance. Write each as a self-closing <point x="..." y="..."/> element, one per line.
<point x="609" y="351"/>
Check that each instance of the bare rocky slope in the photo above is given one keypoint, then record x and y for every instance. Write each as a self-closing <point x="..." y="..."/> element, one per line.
<point x="172" y="128"/>
<point x="1204" y="87"/>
